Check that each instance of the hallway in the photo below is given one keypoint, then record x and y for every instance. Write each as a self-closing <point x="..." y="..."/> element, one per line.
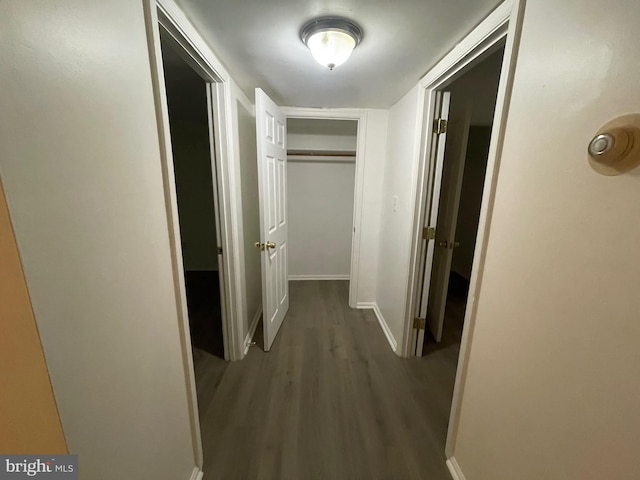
<point x="329" y="401"/>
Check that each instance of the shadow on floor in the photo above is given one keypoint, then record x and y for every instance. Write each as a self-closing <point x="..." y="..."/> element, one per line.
<point x="205" y="314"/>
<point x="205" y="323"/>
<point x="453" y="316"/>
<point x="258" y="336"/>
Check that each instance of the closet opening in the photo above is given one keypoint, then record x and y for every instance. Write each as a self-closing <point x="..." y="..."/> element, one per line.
<point x="321" y="177"/>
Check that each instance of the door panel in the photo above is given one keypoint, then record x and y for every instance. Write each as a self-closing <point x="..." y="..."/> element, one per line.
<point x="216" y="210"/>
<point x="272" y="186"/>
<point x="436" y="159"/>
<point x="453" y="169"/>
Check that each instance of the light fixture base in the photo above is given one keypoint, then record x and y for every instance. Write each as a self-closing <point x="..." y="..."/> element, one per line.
<point x="331" y="24"/>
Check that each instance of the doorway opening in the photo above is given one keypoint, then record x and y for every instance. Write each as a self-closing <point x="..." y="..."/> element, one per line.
<point x="321" y="172"/>
<point x="498" y="34"/>
<point x="170" y="49"/>
<point x="468" y="105"/>
<point x="445" y="286"/>
<point x="464" y="108"/>
<point x="198" y="214"/>
<point x="471" y="100"/>
<point x="189" y="127"/>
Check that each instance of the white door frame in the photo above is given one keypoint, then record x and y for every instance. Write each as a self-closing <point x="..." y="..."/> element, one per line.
<point x="360" y="116"/>
<point x="167" y="15"/>
<point x="505" y="22"/>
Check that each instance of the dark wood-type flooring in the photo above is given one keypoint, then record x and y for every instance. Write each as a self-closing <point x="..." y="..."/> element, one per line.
<point x="330" y="400"/>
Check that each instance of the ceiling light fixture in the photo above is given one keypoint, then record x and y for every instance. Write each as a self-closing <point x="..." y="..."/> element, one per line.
<point x="331" y="39"/>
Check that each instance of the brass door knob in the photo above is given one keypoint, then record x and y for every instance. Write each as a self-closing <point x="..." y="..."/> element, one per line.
<point x="453" y="245"/>
<point x="259" y="245"/>
<point x="443" y="243"/>
<point x="270" y="245"/>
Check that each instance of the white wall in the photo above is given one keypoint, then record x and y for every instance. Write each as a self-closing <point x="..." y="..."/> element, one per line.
<point x="80" y="162"/>
<point x="554" y="372"/>
<point x="320" y="198"/>
<point x="245" y="128"/>
<point x="396" y="226"/>
<point x="315" y="141"/>
<point x="374" y="166"/>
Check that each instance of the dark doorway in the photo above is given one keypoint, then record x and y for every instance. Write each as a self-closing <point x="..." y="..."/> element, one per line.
<point x="189" y="124"/>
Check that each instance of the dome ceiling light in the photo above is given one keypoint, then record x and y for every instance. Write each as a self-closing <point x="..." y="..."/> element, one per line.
<point x="331" y="39"/>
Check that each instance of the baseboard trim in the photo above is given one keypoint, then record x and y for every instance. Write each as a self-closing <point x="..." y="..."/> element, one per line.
<point x="252" y="329"/>
<point x="318" y="277"/>
<point x="365" y="305"/>
<point x="197" y="474"/>
<point x="383" y="323"/>
<point x="454" y="469"/>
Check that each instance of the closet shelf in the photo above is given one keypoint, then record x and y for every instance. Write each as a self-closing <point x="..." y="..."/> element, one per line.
<point x="321" y="156"/>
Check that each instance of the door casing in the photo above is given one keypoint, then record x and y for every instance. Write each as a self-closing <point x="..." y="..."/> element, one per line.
<point x="504" y="24"/>
<point x="166" y="15"/>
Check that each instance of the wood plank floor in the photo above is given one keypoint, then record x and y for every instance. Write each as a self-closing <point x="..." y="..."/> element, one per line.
<point x="329" y="401"/>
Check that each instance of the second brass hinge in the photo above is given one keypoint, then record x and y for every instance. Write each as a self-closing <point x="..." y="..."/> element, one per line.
<point x="419" y="323"/>
<point x="429" y="233"/>
<point x="439" y="126"/>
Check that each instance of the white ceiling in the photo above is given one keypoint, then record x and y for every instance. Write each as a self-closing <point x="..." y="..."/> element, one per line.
<point x="258" y="41"/>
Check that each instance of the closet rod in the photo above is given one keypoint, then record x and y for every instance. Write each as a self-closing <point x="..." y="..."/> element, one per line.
<point x="297" y="159"/>
<point x="321" y="156"/>
<point x="322" y="153"/>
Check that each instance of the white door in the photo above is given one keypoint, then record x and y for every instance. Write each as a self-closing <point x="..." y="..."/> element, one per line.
<point x="216" y="210"/>
<point x="436" y="161"/>
<point x="453" y="169"/>
<point x="272" y="187"/>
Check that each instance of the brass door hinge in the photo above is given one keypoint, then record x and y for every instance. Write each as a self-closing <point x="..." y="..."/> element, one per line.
<point x="429" y="233"/>
<point x="419" y="323"/>
<point x="439" y="126"/>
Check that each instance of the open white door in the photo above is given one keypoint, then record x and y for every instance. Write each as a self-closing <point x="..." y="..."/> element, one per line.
<point x="436" y="160"/>
<point x="272" y="187"/>
<point x="216" y="208"/>
<point x="453" y="169"/>
<point x="449" y="147"/>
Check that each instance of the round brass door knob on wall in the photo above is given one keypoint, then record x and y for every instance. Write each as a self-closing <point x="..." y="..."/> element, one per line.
<point x="615" y="148"/>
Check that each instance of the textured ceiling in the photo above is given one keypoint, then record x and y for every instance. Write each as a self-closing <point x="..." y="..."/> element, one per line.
<point x="258" y="41"/>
